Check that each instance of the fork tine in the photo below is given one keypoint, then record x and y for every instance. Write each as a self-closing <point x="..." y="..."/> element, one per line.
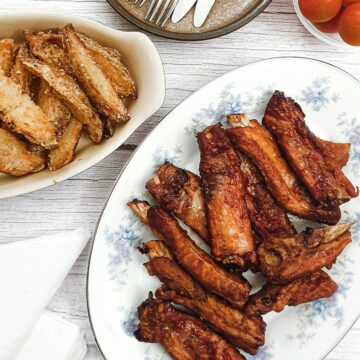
<point x="142" y="3"/>
<point x="150" y="9"/>
<point x="156" y="10"/>
<point x="163" y="11"/>
<point x="170" y="13"/>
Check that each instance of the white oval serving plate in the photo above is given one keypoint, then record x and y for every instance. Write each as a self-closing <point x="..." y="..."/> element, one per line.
<point x="144" y="63"/>
<point x="117" y="281"/>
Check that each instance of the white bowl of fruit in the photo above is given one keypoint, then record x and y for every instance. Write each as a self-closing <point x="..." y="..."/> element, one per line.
<point x="336" y="22"/>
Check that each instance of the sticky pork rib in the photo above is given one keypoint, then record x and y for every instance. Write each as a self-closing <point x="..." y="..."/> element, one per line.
<point x="336" y="152"/>
<point x="179" y="192"/>
<point x="324" y="179"/>
<point x="250" y="137"/>
<point x="284" y="259"/>
<point x="267" y="217"/>
<point x="273" y="297"/>
<point x="224" y="192"/>
<point x="183" y="336"/>
<point x="232" y="287"/>
<point x="245" y="332"/>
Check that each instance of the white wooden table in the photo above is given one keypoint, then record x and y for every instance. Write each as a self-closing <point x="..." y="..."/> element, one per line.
<point x="188" y="66"/>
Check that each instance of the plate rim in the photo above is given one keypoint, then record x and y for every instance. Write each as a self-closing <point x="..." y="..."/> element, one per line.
<point x="235" y="25"/>
<point x="94" y="236"/>
<point x="41" y="15"/>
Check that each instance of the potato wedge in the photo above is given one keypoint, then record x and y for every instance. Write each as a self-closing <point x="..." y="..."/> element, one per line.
<point x="53" y="36"/>
<point x="56" y="111"/>
<point x="64" y="154"/>
<point x="15" y="158"/>
<point x="45" y="46"/>
<point x="7" y="47"/>
<point x="109" y="61"/>
<point x="66" y="88"/>
<point x="23" y="116"/>
<point x="18" y="73"/>
<point x="109" y="127"/>
<point x="94" y="82"/>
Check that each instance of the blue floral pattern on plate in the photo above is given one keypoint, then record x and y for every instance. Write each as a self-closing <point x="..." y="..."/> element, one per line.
<point x="125" y="239"/>
<point x="319" y="94"/>
<point x="350" y="128"/>
<point x="161" y="155"/>
<point x="130" y="321"/>
<point x="123" y="242"/>
<point x="311" y="315"/>
<point x="299" y="329"/>
<point x="229" y="103"/>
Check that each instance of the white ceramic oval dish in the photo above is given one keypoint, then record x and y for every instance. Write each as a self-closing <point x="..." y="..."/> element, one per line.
<point x="139" y="55"/>
<point x="117" y="279"/>
<point x="331" y="39"/>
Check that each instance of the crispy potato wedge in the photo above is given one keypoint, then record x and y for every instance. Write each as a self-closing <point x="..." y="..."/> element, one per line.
<point x="7" y="48"/>
<point x="68" y="142"/>
<point x="15" y="158"/>
<point x="53" y="36"/>
<point x="46" y="46"/>
<point x="58" y="114"/>
<point x="109" y="127"/>
<point x="66" y="88"/>
<point x="109" y="61"/>
<point x="92" y="79"/>
<point x="18" y="72"/>
<point x="23" y="116"/>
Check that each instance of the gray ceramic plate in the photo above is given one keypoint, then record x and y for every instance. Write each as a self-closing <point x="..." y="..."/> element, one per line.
<point x="225" y="17"/>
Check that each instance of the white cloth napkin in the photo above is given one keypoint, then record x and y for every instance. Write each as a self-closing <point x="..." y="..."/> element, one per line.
<point x="30" y="273"/>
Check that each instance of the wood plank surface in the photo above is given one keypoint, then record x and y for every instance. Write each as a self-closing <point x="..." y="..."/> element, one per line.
<point x="188" y="66"/>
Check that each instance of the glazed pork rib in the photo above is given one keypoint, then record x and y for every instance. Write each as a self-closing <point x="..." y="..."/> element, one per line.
<point x="336" y="152"/>
<point x="183" y="336"/>
<point x="232" y="287"/>
<point x="324" y="179"/>
<point x="140" y="209"/>
<point x="267" y="217"/>
<point x="179" y="192"/>
<point x="163" y="266"/>
<point x="224" y="192"/>
<point x="156" y="249"/>
<point x="272" y="297"/>
<point x="254" y="140"/>
<point x="284" y="259"/>
<point x="245" y="332"/>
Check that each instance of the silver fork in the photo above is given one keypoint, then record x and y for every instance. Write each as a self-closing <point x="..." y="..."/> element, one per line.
<point x="159" y="10"/>
<point x="141" y="3"/>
